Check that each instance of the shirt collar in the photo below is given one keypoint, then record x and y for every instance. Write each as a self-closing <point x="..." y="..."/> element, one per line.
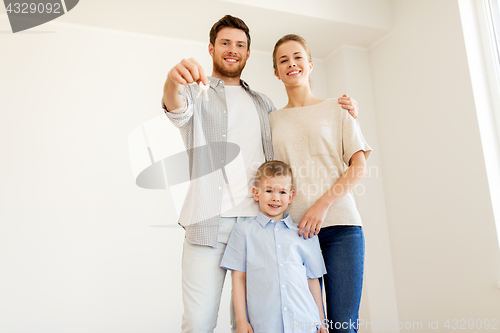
<point x="244" y="84"/>
<point x="214" y="82"/>
<point x="264" y="220"/>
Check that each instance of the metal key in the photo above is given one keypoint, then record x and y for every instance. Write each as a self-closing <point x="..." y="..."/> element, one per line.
<point x="203" y="88"/>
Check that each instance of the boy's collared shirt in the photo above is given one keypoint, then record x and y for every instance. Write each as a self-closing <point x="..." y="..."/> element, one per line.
<point x="277" y="262"/>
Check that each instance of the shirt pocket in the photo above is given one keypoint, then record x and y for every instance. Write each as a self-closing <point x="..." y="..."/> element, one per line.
<point x="321" y="141"/>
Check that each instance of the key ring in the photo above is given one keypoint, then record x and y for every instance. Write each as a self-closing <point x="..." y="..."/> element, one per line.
<point x="203" y="88"/>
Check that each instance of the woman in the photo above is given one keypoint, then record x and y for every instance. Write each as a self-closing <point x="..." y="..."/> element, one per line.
<point x="328" y="153"/>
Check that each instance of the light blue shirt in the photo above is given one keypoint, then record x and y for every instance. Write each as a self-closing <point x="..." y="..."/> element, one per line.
<point x="277" y="262"/>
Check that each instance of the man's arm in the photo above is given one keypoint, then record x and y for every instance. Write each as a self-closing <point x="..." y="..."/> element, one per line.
<point x="186" y="72"/>
<point x="240" y="302"/>
<point x="315" y="290"/>
<point x="350" y="105"/>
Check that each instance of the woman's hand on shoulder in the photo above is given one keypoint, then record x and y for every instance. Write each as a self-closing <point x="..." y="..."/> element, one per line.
<point x="323" y="330"/>
<point x="310" y="224"/>
<point x="350" y="105"/>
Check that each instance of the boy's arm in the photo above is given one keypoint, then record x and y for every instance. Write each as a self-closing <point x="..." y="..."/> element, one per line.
<point x="315" y="290"/>
<point x="240" y="302"/>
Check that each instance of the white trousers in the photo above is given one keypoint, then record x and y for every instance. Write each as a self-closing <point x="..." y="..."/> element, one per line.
<point x="202" y="281"/>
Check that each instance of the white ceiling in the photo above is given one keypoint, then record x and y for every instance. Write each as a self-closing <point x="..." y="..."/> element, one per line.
<point x="325" y="24"/>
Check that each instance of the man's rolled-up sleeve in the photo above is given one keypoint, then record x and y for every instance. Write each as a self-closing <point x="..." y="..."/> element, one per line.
<point x="181" y="119"/>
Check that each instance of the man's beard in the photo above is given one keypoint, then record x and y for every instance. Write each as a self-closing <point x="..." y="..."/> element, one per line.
<point x="222" y="70"/>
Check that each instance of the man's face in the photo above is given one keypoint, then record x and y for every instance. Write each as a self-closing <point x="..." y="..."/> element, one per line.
<point x="230" y="52"/>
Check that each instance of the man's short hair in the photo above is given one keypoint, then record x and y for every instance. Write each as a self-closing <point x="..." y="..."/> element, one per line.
<point x="229" y="21"/>
<point x="273" y="169"/>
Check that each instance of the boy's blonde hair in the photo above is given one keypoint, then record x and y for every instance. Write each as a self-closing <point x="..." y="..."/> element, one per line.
<point x="273" y="169"/>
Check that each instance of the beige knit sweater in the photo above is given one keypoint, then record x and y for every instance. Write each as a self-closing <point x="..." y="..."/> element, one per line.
<point x="318" y="142"/>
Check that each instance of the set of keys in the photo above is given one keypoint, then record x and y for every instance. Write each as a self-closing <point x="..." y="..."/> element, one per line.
<point x="203" y="88"/>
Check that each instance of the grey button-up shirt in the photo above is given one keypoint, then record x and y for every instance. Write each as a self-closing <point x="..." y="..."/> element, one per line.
<point x="203" y="126"/>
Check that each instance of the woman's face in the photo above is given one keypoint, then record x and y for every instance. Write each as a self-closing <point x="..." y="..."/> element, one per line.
<point x="293" y="65"/>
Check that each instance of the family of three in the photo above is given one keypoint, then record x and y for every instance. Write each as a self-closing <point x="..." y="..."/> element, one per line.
<point x="234" y="219"/>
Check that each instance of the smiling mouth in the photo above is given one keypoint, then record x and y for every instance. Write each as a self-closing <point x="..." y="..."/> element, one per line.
<point x="231" y="60"/>
<point x="274" y="206"/>
<point x="293" y="72"/>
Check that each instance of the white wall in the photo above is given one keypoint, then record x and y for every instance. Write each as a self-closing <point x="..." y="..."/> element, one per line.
<point x="372" y="13"/>
<point x="348" y="71"/>
<point x="445" y="252"/>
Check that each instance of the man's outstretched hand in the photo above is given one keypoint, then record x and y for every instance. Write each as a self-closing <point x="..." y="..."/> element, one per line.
<point x="186" y="72"/>
<point x="350" y="105"/>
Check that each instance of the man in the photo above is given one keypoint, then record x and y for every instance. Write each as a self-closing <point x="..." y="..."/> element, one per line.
<point x="232" y="122"/>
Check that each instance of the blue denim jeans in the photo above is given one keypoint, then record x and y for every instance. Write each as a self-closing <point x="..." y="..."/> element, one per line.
<point x="343" y="249"/>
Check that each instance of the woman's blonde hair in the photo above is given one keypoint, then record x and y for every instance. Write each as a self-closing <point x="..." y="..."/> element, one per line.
<point x="287" y="38"/>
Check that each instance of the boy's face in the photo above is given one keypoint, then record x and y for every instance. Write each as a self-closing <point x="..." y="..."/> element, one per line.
<point x="274" y="194"/>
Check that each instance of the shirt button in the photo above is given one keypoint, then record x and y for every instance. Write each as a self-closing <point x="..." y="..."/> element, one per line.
<point x="220" y="188"/>
<point x="223" y="111"/>
<point x="282" y="286"/>
<point x="223" y="135"/>
<point x="281" y="265"/>
<point x="222" y="89"/>
<point x="276" y="229"/>
<point x="285" y="309"/>
<point x="279" y="246"/>
<point x="222" y="161"/>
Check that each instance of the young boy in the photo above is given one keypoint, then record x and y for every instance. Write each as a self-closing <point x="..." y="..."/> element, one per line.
<point x="275" y="271"/>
